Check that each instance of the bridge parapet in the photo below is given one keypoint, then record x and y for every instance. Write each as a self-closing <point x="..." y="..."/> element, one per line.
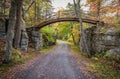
<point x="64" y="14"/>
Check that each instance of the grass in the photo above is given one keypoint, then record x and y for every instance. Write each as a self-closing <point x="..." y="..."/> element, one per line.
<point x="47" y="49"/>
<point x="105" y="68"/>
<point x="75" y="47"/>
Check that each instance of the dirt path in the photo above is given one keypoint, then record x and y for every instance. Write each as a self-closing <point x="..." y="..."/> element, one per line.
<point x="57" y="64"/>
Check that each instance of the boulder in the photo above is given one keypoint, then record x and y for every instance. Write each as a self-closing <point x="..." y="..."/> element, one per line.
<point x="114" y="52"/>
<point x="111" y="39"/>
<point x="24" y="37"/>
<point x="100" y="42"/>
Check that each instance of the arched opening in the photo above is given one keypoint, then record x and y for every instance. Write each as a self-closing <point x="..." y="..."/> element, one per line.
<point x="34" y="31"/>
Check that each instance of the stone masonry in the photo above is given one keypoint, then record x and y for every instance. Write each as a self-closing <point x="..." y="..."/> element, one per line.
<point x="101" y="42"/>
<point x="37" y="40"/>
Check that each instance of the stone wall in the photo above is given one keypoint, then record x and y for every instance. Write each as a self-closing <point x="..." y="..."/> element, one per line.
<point x="88" y="36"/>
<point x="101" y="42"/>
<point x="36" y="39"/>
<point x="24" y="41"/>
<point x="24" y="37"/>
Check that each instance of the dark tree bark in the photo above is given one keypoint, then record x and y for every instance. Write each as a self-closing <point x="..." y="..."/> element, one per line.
<point x="118" y="12"/>
<point x="75" y="7"/>
<point x="98" y="15"/>
<point x="4" y="6"/>
<point x="83" y="37"/>
<point x="35" y="11"/>
<point x="72" y="34"/>
<point x="10" y="32"/>
<point x="18" y="24"/>
<point x="29" y="6"/>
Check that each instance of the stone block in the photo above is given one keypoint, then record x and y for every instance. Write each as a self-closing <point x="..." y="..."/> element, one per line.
<point x="114" y="52"/>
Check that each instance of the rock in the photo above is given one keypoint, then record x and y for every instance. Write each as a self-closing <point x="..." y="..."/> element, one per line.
<point x="111" y="32"/>
<point x="111" y="38"/>
<point x="100" y="42"/>
<point x="24" y="37"/>
<point x="23" y="25"/>
<point x="114" y="52"/>
<point x="35" y="33"/>
<point x="37" y="40"/>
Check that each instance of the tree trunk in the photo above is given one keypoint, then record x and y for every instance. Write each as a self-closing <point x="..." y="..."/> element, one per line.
<point x="35" y="11"/>
<point x="72" y="34"/>
<point x="118" y="12"/>
<point x="10" y="32"/>
<point x="18" y="24"/>
<point x="83" y="37"/>
<point x="4" y="6"/>
<point x="75" y="7"/>
<point x="98" y="15"/>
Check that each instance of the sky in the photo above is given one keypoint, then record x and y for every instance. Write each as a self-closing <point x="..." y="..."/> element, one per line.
<point x="57" y="4"/>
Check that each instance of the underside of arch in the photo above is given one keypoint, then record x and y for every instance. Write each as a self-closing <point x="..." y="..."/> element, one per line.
<point x="50" y="21"/>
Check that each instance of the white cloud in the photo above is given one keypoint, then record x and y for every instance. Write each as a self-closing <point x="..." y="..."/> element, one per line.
<point x="57" y="4"/>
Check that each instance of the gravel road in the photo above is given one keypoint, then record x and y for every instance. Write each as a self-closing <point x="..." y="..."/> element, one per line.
<point x="57" y="64"/>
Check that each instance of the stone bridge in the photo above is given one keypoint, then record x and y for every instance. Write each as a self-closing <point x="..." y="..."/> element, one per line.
<point x="63" y="16"/>
<point x="35" y="37"/>
<point x="33" y="32"/>
<point x="50" y="21"/>
<point x="97" y="42"/>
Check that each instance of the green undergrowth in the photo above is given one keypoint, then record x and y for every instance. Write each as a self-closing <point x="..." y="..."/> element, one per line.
<point x="107" y="67"/>
<point x="47" y="49"/>
<point x="19" y="57"/>
<point x="75" y="47"/>
<point x="104" y="66"/>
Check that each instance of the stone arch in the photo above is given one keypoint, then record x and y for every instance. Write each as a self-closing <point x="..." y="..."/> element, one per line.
<point x="50" y="21"/>
<point x="35" y="35"/>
